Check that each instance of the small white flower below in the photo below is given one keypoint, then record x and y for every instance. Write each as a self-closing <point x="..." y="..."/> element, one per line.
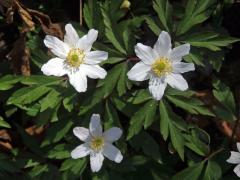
<point x="235" y="159"/>
<point x="74" y="58"/>
<point x="97" y="144"/>
<point x="161" y="65"/>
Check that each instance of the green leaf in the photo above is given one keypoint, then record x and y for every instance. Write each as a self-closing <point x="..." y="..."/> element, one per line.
<point x="92" y="15"/>
<point x="143" y="117"/>
<point x="91" y="101"/>
<point x="3" y="123"/>
<point x="124" y="107"/>
<point x="57" y="131"/>
<point x="198" y="141"/>
<point x="196" y="12"/>
<point x="149" y="146"/>
<point x="177" y="140"/>
<point x="164" y="10"/>
<point x="102" y="175"/>
<point x="210" y="40"/>
<point x="153" y="26"/>
<point x="111" y="31"/>
<point x="170" y="127"/>
<point x="123" y="80"/>
<point x="75" y="166"/>
<point x="8" y="81"/>
<point x="114" y="78"/>
<point x="213" y="171"/>
<point x="38" y="170"/>
<point x="139" y="96"/>
<point x="164" y="121"/>
<point x="59" y="152"/>
<point x="51" y="100"/>
<point x="28" y="95"/>
<point x="224" y="95"/>
<point x="111" y="116"/>
<point x="195" y="57"/>
<point x="69" y="101"/>
<point x="40" y="80"/>
<point x="190" y="173"/>
<point x="192" y="105"/>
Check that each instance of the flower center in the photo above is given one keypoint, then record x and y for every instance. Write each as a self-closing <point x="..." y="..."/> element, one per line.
<point x="97" y="143"/>
<point x="162" y="66"/>
<point x="75" y="57"/>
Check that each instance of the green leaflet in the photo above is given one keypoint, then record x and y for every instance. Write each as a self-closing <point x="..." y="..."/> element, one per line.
<point x="196" y="13"/>
<point x="192" y="105"/>
<point x="143" y="117"/>
<point x="164" y="11"/>
<point x="227" y="109"/>
<point x="116" y="78"/>
<point x="111" y="31"/>
<point x="208" y="170"/>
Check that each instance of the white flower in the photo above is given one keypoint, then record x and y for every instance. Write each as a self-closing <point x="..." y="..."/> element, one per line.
<point x="161" y="65"/>
<point x="97" y="144"/>
<point x="235" y="159"/>
<point x="74" y="58"/>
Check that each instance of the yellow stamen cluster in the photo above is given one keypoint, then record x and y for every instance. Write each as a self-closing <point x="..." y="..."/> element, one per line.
<point x="97" y="143"/>
<point x="75" y="57"/>
<point x="162" y="66"/>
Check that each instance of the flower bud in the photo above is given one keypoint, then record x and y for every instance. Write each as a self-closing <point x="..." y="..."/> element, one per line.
<point x="126" y="4"/>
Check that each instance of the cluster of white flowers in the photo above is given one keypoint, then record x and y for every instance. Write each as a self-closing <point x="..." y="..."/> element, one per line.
<point x="161" y="65"/>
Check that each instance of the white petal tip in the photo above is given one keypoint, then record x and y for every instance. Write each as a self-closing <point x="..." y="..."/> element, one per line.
<point x="93" y="32"/>
<point x="119" y="159"/>
<point x="97" y="116"/>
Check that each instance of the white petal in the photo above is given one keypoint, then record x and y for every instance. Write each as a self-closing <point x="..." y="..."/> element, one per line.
<point x="57" y="47"/>
<point x="234" y="158"/>
<point x="92" y="35"/>
<point x="96" y="161"/>
<point x="85" y="43"/>
<point x="237" y="170"/>
<point x="177" y="81"/>
<point x="80" y="151"/>
<point x="157" y="87"/>
<point x="95" y="57"/>
<point x="78" y="80"/>
<point x="82" y="133"/>
<point x="180" y="51"/>
<point x="112" y="153"/>
<point x="71" y="37"/>
<point x="238" y="146"/>
<point x="112" y="134"/>
<point x="95" y="126"/>
<point x="139" y="72"/>
<point x="54" y="67"/>
<point x="163" y="44"/>
<point x="94" y="71"/>
<point x="145" y="53"/>
<point x="181" y="67"/>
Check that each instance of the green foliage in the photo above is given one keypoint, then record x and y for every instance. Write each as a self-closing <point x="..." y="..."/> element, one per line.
<point x="161" y="139"/>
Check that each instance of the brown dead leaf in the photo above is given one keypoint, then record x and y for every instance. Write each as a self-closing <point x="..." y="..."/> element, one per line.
<point x="224" y="126"/>
<point x="6" y="3"/>
<point x="34" y="130"/>
<point x="24" y="14"/>
<point x="5" y="140"/>
<point x="28" y="16"/>
<point x="19" y="57"/>
<point x="48" y="27"/>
